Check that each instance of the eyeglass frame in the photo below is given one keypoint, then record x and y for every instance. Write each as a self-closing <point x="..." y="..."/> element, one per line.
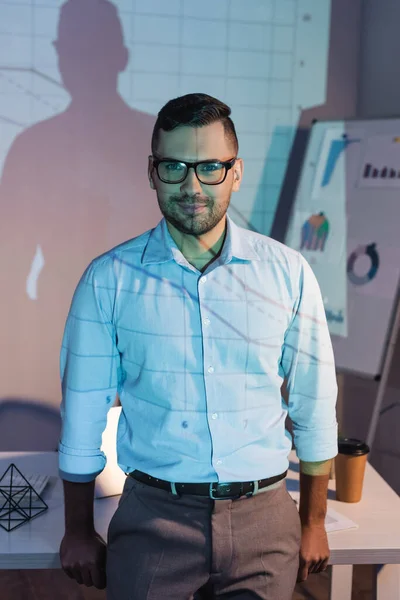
<point x="228" y="164"/>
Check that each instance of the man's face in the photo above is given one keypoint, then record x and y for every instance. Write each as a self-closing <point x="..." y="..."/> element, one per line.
<point x="177" y="200"/>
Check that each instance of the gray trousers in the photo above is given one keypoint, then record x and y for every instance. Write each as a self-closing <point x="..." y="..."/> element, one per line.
<point x="163" y="547"/>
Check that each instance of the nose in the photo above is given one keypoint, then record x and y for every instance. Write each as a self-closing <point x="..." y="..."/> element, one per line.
<point x="191" y="185"/>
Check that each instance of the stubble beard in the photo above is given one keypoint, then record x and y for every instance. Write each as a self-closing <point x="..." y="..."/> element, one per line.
<point x="196" y="224"/>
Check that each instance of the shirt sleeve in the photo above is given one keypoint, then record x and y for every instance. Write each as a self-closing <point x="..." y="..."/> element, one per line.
<point x="89" y="364"/>
<point x="308" y="364"/>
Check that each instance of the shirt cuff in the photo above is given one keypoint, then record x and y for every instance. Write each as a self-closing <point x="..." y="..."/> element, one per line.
<point x="316" y="445"/>
<point x="80" y="465"/>
<point x="76" y="478"/>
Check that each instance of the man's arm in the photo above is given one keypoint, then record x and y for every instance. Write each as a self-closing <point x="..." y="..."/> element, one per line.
<point x="314" y="479"/>
<point x="90" y="365"/>
<point x="314" y="550"/>
<point x="79" y="500"/>
<point x="89" y="369"/>
<point x="83" y="552"/>
<point x="308" y="366"/>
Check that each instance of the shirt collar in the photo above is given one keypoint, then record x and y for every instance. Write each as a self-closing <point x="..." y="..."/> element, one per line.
<point x="161" y="248"/>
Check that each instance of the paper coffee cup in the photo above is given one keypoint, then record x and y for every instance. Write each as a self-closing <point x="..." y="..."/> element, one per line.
<point x="350" y="469"/>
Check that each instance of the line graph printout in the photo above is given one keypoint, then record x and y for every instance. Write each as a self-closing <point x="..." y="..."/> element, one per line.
<point x="350" y="226"/>
<point x="81" y="83"/>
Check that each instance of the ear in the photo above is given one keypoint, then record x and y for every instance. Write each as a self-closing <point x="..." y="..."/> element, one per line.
<point x="237" y="175"/>
<point x="150" y="173"/>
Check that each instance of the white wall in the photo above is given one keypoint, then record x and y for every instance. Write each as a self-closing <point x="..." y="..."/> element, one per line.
<point x="340" y="98"/>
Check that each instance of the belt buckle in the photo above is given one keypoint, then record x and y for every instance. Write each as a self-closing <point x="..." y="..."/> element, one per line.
<point x="221" y="497"/>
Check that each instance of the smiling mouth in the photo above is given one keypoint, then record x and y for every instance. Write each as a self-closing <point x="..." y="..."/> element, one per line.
<point x="193" y="208"/>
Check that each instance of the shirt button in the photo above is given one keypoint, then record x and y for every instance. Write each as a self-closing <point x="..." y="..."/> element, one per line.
<point x="210" y="369"/>
<point x="214" y="416"/>
<point x="203" y="279"/>
<point x="206" y="321"/>
<point x="219" y="462"/>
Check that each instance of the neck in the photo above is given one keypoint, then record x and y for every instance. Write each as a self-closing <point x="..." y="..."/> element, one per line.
<point x="203" y="249"/>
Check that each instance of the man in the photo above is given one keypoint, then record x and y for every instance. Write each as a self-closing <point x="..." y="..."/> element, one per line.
<point x="196" y="324"/>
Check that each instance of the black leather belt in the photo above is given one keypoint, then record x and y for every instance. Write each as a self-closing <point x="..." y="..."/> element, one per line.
<point x="215" y="490"/>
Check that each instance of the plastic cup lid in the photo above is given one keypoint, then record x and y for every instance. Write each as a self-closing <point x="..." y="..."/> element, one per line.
<point x="352" y="447"/>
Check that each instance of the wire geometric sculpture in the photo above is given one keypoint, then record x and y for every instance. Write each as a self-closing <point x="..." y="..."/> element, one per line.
<point x="18" y="503"/>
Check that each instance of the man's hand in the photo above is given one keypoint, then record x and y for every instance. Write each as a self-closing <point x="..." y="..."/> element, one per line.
<point x="83" y="558"/>
<point x="314" y="551"/>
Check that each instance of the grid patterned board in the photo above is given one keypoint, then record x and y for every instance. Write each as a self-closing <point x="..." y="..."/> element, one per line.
<point x="244" y="56"/>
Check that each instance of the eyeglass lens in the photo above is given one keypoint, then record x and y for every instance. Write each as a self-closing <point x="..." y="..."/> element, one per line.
<point x="175" y="172"/>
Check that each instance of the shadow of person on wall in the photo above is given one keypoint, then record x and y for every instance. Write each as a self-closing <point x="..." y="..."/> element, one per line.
<point x="73" y="186"/>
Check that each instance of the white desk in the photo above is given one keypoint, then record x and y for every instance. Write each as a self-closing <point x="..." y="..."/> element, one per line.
<point x="35" y="545"/>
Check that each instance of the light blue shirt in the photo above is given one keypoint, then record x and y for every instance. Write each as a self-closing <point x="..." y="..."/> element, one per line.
<point x="198" y="360"/>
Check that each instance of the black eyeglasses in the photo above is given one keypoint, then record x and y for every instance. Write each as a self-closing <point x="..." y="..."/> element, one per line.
<point x="209" y="172"/>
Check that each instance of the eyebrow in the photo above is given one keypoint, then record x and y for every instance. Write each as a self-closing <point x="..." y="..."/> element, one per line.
<point x="189" y="161"/>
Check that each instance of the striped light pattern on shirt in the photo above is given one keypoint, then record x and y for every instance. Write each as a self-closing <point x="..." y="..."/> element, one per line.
<point x="198" y="361"/>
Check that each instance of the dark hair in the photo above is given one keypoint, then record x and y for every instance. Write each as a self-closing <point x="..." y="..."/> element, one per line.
<point x="194" y="110"/>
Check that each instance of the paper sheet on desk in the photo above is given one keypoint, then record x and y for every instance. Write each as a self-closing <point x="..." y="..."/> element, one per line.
<point x="334" y="521"/>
